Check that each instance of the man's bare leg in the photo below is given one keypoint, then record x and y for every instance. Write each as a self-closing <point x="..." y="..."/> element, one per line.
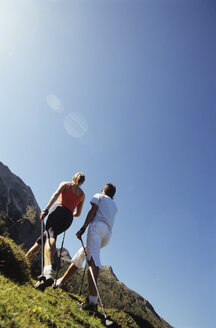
<point x="95" y="269"/>
<point x="68" y="273"/>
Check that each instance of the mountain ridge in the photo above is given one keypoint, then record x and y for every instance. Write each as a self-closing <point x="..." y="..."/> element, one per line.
<point x="18" y="208"/>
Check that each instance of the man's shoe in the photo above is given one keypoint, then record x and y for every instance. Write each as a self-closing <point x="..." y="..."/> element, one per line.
<point x="88" y="306"/>
<point x="57" y="283"/>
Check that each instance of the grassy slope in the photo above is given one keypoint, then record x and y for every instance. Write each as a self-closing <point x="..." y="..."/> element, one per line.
<point x="22" y="306"/>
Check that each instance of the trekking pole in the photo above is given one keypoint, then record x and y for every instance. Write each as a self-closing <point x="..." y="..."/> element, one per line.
<point x="41" y="278"/>
<point x="59" y="264"/>
<point x="107" y="322"/>
<point x="42" y="246"/>
<point x="80" y="291"/>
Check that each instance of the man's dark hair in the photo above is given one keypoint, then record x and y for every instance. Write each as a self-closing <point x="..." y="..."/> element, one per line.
<point x="109" y="190"/>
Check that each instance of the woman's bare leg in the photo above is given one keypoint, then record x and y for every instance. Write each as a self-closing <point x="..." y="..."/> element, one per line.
<point x="33" y="251"/>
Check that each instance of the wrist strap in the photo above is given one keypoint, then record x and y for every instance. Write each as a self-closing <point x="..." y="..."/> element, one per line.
<point x="82" y="230"/>
<point x="46" y="211"/>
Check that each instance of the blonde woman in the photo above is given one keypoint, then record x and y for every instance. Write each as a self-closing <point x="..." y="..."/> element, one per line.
<point x="68" y="197"/>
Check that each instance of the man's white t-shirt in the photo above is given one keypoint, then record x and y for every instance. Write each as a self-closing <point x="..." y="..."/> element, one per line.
<point x="106" y="211"/>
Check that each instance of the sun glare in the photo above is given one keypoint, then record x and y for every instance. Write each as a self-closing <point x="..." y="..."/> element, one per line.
<point x="17" y="18"/>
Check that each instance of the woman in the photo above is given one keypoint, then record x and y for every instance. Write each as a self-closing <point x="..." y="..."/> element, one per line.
<point x="69" y="196"/>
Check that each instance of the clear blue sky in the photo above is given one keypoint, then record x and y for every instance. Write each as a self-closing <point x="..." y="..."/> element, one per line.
<point x="123" y="90"/>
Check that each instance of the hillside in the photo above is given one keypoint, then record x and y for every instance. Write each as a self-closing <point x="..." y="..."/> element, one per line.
<point x="21" y="305"/>
<point x="116" y="295"/>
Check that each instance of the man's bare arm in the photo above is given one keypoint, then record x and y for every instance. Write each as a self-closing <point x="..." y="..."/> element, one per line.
<point x="90" y="216"/>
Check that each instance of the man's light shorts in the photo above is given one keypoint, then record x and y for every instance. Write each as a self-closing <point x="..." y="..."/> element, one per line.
<point x="98" y="237"/>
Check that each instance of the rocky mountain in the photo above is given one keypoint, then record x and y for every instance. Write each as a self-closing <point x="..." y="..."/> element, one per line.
<point x="19" y="211"/>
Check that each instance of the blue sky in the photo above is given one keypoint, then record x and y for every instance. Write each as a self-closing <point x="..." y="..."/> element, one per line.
<point x="124" y="91"/>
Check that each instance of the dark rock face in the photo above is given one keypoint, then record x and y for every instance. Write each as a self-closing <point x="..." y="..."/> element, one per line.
<point x="19" y="209"/>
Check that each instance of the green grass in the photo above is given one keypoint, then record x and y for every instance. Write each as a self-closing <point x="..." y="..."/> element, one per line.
<point x="12" y="261"/>
<point x="21" y="305"/>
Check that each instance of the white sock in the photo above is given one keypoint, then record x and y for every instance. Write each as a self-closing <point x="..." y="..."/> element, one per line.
<point x="92" y="299"/>
<point x="47" y="268"/>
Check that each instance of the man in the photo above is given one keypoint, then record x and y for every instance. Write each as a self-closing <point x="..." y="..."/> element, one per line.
<point x="100" y="220"/>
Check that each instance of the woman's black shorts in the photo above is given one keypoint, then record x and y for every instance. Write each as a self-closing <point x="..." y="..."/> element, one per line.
<point x="58" y="221"/>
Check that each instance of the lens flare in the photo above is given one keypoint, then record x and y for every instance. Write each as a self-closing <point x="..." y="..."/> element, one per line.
<point x="55" y="103"/>
<point x="76" y="125"/>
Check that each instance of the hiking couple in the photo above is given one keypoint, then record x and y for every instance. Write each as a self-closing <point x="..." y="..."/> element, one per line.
<point x="69" y="200"/>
